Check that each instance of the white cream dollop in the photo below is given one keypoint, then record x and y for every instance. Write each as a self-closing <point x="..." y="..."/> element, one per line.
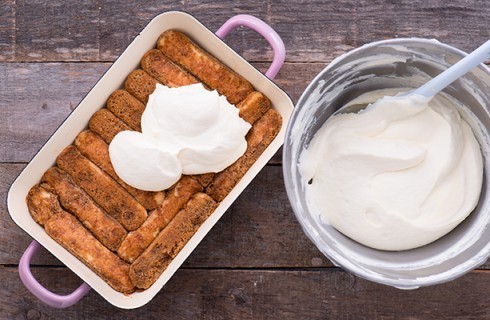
<point x="398" y="175"/>
<point x="185" y="130"/>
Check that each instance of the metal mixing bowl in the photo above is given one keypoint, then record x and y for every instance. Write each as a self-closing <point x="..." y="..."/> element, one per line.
<point x="391" y="64"/>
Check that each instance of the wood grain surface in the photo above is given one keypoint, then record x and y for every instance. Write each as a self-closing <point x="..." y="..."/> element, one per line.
<point x="259" y="294"/>
<point x="256" y="263"/>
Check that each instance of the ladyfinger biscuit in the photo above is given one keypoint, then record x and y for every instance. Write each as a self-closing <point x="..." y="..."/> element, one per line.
<point x="253" y="107"/>
<point x="204" y="178"/>
<point x="42" y="204"/>
<point x="183" y="51"/>
<point x="140" y="84"/>
<point x="106" y="125"/>
<point x="73" y="199"/>
<point x="151" y="264"/>
<point x="72" y="235"/>
<point x="258" y="138"/>
<point x="96" y="150"/>
<point x="138" y="240"/>
<point x="165" y="71"/>
<point x="127" y="108"/>
<point x="106" y="192"/>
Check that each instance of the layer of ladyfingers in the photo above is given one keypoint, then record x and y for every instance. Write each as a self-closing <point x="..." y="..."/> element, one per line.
<point x="127" y="108"/>
<point x="138" y="240"/>
<point x="165" y="71"/>
<point x="106" y="192"/>
<point x="90" y="211"/>
<point x="72" y="235"/>
<point x="74" y="200"/>
<point x="154" y="260"/>
<point x="96" y="150"/>
<point x="212" y="72"/>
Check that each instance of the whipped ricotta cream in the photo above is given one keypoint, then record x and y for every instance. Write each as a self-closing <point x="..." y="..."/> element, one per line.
<point x="185" y="130"/>
<point x="397" y="175"/>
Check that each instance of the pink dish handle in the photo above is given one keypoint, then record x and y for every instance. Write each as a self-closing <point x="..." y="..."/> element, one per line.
<point x="265" y="31"/>
<point x="43" y="294"/>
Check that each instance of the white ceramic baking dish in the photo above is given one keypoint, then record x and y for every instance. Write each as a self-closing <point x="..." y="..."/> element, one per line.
<point x="94" y="100"/>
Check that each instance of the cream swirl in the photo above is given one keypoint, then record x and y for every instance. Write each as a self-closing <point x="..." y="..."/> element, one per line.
<point x="397" y="175"/>
<point x="185" y="130"/>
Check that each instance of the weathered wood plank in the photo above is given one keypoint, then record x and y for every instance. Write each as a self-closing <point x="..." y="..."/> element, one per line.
<point x="312" y="30"/>
<point x="105" y="29"/>
<point x="259" y="231"/>
<point x="7" y="30"/>
<point x="322" y="30"/>
<point x="258" y="294"/>
<point x="35" y="98"/>
<point x="67" y="30"/>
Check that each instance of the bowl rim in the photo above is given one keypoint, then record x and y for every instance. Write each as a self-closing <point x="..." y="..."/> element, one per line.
<point x="331" y="253"/>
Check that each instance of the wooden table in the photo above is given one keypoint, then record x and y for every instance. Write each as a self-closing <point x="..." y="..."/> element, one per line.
<point x="256" y="263"/>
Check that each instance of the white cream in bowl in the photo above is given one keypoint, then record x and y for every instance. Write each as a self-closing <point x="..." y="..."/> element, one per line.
<point x="384" y="65"/>
<point x="397" y="175"/>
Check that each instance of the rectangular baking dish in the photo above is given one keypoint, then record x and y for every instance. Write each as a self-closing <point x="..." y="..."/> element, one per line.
<point x="78" y="120"/>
